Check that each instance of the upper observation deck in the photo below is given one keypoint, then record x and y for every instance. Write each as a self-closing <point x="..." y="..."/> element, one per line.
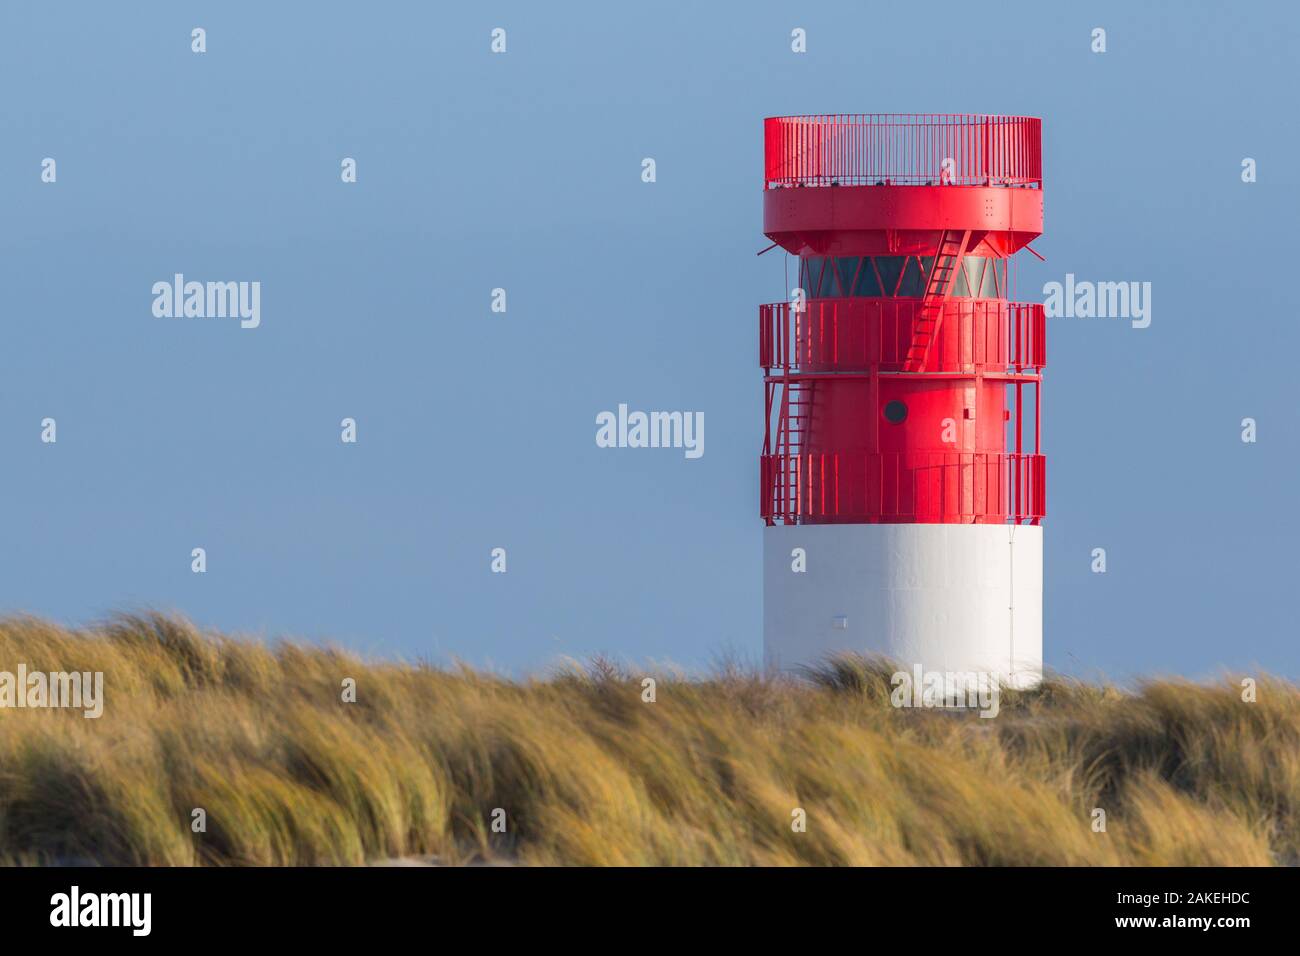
<point x="888" y="182"/>
<point x="902" y="149"/>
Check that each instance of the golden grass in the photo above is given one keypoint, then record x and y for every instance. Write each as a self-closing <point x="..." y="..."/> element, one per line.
<point x="587" y="773"/>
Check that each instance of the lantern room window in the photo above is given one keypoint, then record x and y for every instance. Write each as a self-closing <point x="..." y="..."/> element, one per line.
<point x="835" y="277"/>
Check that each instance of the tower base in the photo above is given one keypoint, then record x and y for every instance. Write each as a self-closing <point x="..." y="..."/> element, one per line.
<point x="954" y="598"/>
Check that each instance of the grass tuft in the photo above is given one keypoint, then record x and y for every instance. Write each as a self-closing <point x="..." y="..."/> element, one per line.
<point x="589" y="773"/>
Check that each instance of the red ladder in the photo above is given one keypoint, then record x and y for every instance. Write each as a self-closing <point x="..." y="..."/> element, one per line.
<point x="938" y="286"/>
<point x="796" y="411"/>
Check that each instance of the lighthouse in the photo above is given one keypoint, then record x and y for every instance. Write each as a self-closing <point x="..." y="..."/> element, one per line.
<point x="902" y="475"/>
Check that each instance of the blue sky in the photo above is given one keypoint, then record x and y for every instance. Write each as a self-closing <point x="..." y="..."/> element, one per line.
<point x="476" y="430"/>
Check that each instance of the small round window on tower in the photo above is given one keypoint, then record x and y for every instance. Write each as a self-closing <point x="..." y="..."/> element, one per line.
<point x="895" y="412"/>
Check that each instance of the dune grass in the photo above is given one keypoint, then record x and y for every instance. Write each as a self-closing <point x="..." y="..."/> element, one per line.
<point x="587" y="773"/>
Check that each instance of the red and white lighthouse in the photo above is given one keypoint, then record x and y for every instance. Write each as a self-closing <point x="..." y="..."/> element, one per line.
<point x="902" y="487"/>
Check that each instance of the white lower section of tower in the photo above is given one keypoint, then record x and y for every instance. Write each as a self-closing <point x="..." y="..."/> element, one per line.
<point x="954" y="598"/>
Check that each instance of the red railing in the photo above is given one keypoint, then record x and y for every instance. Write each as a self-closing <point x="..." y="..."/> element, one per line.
<point x="902" y="149"/>
<point x="900" y="487"/>
<point x="841" y="334"/>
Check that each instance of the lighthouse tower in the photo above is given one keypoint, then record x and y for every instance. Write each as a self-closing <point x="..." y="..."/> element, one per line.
<point x="902" y="488"/>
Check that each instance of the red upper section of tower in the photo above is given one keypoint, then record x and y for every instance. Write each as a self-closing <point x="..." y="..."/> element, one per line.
<point x="896" y="374"/>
